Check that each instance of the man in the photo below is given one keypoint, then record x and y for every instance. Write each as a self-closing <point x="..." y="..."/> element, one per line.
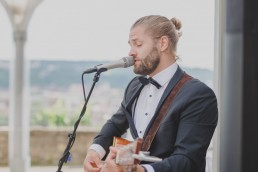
<point x="184" y="134"/>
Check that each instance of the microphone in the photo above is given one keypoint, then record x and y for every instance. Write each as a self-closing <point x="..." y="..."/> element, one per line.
<point x="122" y="63"/>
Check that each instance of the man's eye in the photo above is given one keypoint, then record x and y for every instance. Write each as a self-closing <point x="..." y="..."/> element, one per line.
<point x="138" y="45"/>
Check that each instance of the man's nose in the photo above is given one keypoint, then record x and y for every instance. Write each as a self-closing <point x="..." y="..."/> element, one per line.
<point x="132" y="52"/>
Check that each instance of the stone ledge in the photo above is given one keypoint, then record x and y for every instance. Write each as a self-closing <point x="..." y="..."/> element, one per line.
<point x="48" y="144"/>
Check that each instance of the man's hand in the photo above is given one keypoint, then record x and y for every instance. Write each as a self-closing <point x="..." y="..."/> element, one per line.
<point x="111" y="166"/>
<point x="92" y="162"/>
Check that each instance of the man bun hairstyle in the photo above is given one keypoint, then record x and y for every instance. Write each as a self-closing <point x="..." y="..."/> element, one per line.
<point x="177" y="23"/>
<point x="158" y="26"/>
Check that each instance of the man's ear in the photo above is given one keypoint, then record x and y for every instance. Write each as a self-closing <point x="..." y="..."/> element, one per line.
<point x="163" y="43"/>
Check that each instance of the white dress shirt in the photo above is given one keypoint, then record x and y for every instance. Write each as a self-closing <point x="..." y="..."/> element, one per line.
<point x="145" y="106"/>
<point x="149" y="98"/>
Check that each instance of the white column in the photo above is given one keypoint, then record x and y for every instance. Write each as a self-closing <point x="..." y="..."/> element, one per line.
<point x="19" y="118"/>
<point x="218" y="72"/>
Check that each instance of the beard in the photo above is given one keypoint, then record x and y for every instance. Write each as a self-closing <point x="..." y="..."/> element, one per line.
<point x="149" y="63"/>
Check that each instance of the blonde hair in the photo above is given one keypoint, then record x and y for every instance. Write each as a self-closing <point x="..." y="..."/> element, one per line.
<point x="158" y="26"/>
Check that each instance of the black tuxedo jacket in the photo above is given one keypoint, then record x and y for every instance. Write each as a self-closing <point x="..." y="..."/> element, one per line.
<point x="184" y="134"/>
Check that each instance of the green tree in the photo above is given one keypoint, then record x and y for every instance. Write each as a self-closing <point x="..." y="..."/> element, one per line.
<point x="57" y="115"/>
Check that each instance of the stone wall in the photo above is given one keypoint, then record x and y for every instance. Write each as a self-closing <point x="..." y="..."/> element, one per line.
<point x="47" y="145"/>
<point x="3" y="146"/>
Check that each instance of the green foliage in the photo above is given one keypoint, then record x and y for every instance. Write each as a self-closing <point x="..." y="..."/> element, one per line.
<point x="86" y="118"/>
<point x="58" y="115"/>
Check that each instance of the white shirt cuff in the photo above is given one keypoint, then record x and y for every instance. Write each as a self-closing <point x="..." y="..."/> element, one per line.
<point x="149" y="168"/>
<point x="99" y="149"/>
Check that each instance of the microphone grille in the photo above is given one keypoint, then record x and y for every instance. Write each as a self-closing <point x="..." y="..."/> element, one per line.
<point x="129" y="61"/>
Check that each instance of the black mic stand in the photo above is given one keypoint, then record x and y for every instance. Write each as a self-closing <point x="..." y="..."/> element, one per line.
<point x="72" y="135"/>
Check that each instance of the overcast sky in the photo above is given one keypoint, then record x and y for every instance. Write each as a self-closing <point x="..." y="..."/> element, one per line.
<point x="98" y="30"/>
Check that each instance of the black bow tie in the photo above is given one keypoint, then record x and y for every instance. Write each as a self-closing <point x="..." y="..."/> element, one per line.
<point x="146" y="81"/>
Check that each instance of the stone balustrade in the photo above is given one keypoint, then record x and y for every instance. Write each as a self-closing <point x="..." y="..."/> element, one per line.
<point x="48" y="144"/>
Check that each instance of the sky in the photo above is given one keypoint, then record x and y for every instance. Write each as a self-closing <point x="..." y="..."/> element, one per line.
<point x="99" y="30"/>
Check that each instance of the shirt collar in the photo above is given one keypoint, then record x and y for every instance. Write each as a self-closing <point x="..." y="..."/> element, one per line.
<point x="165" y="75"/>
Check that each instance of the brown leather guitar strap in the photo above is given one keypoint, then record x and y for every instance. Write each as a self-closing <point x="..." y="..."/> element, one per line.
<point x="163" y="111"/>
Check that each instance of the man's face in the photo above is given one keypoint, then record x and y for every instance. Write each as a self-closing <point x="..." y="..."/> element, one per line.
<point x="144" y="51"/>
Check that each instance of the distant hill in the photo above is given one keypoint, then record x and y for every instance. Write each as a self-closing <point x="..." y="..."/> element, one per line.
<point x="61" y="74"/>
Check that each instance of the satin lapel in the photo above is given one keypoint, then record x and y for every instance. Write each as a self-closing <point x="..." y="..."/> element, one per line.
<point x="135" y="91"/>
<point x="171" y="84"/>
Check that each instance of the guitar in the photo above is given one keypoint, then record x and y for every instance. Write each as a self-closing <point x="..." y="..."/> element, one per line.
<point x="129" y="152"/>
